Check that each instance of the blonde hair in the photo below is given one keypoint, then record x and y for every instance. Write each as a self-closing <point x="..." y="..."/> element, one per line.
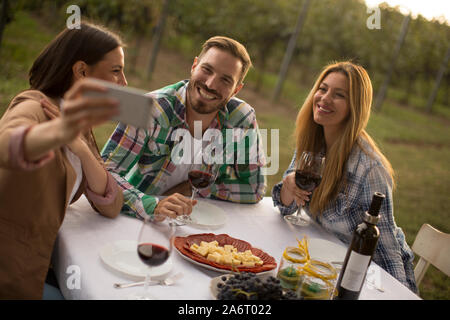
<point x="231" y="46"/>
<point x="310" y="136"/>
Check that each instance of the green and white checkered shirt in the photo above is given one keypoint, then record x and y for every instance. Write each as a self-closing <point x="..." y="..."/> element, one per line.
<point x="141" y="159"/>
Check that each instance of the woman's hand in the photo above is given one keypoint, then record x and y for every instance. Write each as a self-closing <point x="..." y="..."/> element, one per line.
<point x="77" y="146"/>
<point x="173" y="206"/>
<point x="80" y="113"/>
<point x="290" y="192"/>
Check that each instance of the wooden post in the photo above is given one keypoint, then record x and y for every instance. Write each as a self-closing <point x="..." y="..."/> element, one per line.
<point x="290" y="50"/>
<point x="157" y="37"/>
<point x="382" y="92"/>
<point x="437" y="83"/>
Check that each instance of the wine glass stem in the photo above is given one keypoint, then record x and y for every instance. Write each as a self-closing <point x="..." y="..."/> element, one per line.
<point x="193" y="193"/>
<point x="298" y="213"/>
<point x="147" y="282"/>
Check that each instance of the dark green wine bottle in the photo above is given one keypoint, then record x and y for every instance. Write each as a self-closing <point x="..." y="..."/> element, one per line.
<point x="359" y="253"/>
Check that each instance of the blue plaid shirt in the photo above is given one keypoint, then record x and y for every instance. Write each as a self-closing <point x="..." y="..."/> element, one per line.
<point x="365" y="175"/>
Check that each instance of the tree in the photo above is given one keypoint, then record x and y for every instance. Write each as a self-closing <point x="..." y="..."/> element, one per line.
<point x="5" y="17"/>
<point x="156" y="41"/>
<point x="437" y="83"/>
<point x="290" y="49"/>
<point x="401" y="38"/>
<point x="262" y="26"/>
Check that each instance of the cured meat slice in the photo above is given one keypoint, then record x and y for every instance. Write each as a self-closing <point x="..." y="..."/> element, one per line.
<point x="183" y="245"/>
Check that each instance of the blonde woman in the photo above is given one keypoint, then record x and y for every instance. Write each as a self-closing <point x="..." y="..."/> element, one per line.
<point x="332" y="120"/>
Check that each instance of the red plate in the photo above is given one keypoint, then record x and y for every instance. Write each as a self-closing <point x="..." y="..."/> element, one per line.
<point x="183" y="245"/>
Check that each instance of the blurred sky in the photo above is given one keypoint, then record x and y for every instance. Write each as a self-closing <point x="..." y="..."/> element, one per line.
<point x="427" y="8"/>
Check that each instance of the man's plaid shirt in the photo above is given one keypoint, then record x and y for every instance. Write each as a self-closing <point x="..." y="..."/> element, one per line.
<point x="140" y="159"/>
<point x="365" y="175"/>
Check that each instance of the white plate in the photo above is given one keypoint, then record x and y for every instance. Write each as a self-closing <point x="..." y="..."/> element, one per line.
<point x="326" y="251"/>
<point x="207" y="266"/>
<point x="122" y="257"/>
<point x="207" y="216"/>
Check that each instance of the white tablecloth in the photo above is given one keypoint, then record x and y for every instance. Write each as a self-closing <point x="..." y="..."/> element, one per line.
<point x="84" y="233"/>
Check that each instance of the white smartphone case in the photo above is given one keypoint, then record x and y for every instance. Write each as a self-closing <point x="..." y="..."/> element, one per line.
<point x="136" y="108"/>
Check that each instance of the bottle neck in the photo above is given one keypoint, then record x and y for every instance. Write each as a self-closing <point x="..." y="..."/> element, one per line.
<point x="370" y="218"/>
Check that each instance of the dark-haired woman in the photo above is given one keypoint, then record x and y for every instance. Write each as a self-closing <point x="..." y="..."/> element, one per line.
<point x="47" y="161"/>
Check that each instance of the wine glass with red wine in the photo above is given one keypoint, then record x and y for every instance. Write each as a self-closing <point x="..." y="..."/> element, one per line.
<point x="200" y="176"/>
<point x="308" y="174"/>
<point x="154" y="247"/>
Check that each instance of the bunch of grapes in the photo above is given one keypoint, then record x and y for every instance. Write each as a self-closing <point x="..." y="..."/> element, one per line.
<point x="247" y="286"/>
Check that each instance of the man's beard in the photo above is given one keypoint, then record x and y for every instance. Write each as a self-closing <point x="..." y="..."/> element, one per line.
<point x="199" y="106"/>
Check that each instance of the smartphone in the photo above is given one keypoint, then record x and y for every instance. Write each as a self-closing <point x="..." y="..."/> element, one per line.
<point x="136" y="108"/>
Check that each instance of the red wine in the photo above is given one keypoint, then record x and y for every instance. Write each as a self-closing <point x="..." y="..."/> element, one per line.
<point x="200" y="179"/>
<point x="152" y="254"/>
<point x="306" y="180"/>
<point x="359" y="253"/>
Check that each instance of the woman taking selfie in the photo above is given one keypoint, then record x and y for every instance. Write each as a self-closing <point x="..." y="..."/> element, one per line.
<point x="48" y="161"/>
<point x="332" y="122"/>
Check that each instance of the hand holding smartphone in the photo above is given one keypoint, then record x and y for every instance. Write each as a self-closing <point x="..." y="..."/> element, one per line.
<point x="136" y="108"/>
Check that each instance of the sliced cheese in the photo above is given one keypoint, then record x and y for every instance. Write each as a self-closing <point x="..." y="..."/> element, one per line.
<point x="226" y="255"/>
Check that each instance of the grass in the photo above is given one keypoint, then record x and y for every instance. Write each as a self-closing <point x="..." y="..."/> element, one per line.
<point x="285" y="129"/>
<point x="17" y="52"/>
<point x="417" y="144"/>
<point x="420" y="102"/>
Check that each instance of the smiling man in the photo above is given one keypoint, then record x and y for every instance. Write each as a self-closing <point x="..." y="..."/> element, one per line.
<point x="142" y="161"/>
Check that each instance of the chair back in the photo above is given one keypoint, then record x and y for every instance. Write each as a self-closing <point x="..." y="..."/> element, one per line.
<point x="432" y="246"/>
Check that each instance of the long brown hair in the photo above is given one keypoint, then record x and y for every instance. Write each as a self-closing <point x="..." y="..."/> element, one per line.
<point x="52" y="72"/>
<point x="310" y="135"/>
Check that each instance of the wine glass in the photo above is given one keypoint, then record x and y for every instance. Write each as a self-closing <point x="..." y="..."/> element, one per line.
<point x="200" y="176"/>
<point x="308" y="174"/>
<point x="154" y="247"/>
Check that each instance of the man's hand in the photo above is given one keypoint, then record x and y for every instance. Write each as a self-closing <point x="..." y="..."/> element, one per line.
<point x="174" y="205"/>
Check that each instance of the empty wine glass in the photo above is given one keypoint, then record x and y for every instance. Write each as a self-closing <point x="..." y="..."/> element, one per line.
<point x="154" y="248"/>
<point x="308" y="174"/>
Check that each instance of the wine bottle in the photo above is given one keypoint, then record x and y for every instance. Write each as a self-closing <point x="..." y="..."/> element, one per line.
<point x="359" y="253"/>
